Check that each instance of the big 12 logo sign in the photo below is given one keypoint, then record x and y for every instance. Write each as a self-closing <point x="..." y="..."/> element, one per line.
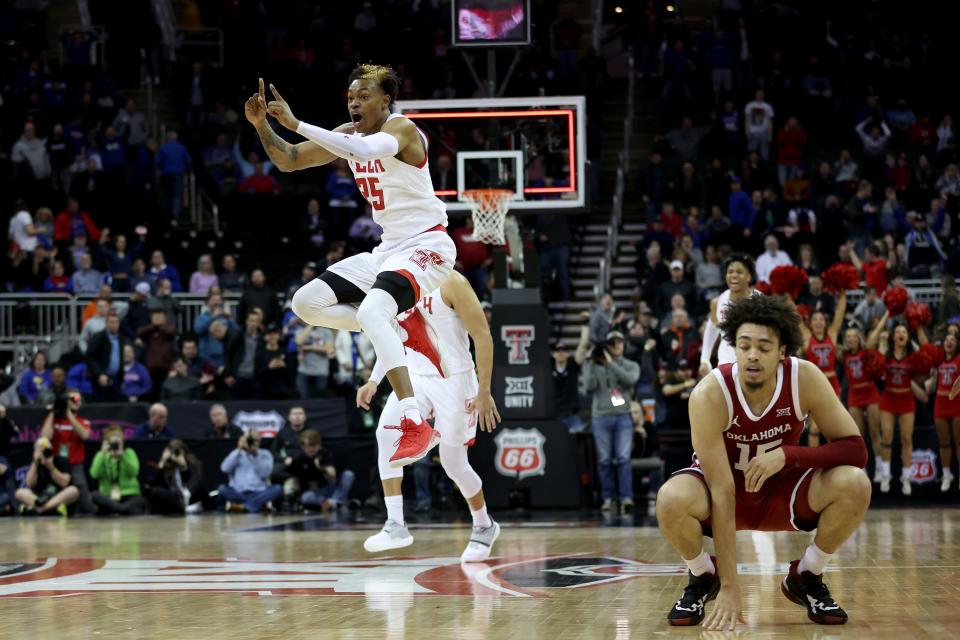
<point x="520" y="453"/>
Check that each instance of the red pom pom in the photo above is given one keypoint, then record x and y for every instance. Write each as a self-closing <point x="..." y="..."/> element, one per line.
<point x="840" y="277"/>
<point x="763" y="287"/>
<point x="789" y="280"/>
<point x="896" y="300"/>
<point x="804" y="311"/>
<point x="925" y="358"/>
<point x="873" y="364"/>
<point x="918" y="315"/>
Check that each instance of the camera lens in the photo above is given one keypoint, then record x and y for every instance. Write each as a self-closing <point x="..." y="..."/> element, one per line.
<point x="175" y="452"/>
<point x="114" y="445"/>
<point x="48" y="453"/>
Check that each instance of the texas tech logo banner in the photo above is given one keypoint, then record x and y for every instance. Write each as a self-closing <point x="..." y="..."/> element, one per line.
<point x="517" y="338"/>
<point x="520" y="453"/>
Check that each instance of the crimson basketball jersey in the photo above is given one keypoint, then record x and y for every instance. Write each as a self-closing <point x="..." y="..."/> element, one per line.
<point x="748" y="435"/>
<point x="400" y="194"/>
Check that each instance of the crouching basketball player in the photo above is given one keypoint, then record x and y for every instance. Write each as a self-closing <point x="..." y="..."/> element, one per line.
<point x="749" y="474"/>
<point x="457" y="402"/>
<point x="388" y="157"/>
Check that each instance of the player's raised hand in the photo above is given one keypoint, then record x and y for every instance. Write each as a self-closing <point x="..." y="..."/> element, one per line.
<point x="279" y="109"/>
<point x="486" y="409"/>
<point x="255" y="108"/>
<point x="365" y="394"/>
<point x="762" y="467"/>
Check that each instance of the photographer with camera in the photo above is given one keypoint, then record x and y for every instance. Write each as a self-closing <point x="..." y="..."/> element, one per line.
<point x="610" y="378"/>
<point x="248" y="467"/>
<point x="316" y="474"/>
<point x="48" y="486"/>
<point x="178" y="481"/>
<point x="117" y="468"/>
<point x="67" y="431"/>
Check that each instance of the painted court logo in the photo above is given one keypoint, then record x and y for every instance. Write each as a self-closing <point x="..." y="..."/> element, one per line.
<point x="517" y="338"/>
<point x="506" y="576"/>
<point x="520" y="453"/>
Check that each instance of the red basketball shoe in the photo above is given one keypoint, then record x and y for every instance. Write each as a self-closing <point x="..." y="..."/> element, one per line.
<point x="415" y="441"/>
<point x="422" y="338"/>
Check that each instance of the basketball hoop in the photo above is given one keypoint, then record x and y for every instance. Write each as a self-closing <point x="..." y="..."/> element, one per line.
<point x="489" y="208"/>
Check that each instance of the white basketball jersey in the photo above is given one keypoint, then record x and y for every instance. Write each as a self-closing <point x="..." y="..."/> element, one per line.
<point x="450" y="331"/>
<point x="726" y="353"/>
<point x="401" y="195"/>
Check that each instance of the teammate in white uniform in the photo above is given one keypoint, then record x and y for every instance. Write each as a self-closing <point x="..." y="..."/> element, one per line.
<point x="388" y="157"/>
<point x="740" y="273"/>
<point x="457" y="402"/>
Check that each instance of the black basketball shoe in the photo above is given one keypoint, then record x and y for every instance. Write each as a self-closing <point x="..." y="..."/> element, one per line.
<point x="688" y="611"/>
<point x="808" y="590"/>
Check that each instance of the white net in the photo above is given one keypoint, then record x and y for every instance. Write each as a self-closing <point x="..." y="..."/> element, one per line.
<point x="489" y="208"/>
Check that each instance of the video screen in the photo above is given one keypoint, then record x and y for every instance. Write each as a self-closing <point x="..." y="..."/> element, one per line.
<point x="491" y="22"/>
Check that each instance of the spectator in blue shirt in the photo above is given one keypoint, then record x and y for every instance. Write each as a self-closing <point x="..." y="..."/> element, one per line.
<point x="210" y="348"/>
<point x="135" y="380"/>
<point x="155" y="428"/>
<point x="119" y="257"/>
<point x="34" y="380"/>
<point x="57" y="281"/>
<point x="173" y="161"/>
<point x="78" y="379"/>
<point x="86" y="279"/>
<point x="740" y="207"/>
<point x="249" y="468"/>
<point x="113" y="151"/>
<point x="159" y="269"/>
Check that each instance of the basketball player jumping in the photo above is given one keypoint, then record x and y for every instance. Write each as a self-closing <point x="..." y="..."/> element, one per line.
<point x="740" y="274"/>
<point x="457" y="401"/>
<point x="388" y="157"/>
<point x="749" y="473"/>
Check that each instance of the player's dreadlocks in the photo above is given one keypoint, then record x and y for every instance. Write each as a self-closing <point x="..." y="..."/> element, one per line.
<point x="385" y="77"/>
<point x="766" y="311"/>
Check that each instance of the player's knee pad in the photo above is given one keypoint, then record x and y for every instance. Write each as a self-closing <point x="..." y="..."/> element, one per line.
<point x="401" y="289"/>
<point x="377" y="309"/>
<point x="453" y="459"/>
<point x="309" y="300"/>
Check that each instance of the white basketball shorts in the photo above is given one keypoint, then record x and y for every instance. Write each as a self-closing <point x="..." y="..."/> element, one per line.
<point x="425" y="260"/>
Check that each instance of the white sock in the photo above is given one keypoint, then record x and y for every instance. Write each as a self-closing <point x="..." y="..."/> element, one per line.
<point x="410" y="409"/>
<point x="886" y="467"/>
<point x="878" y="462"/>
<point x="394" y="508"/>
<point x="701" y="564"/>
<point x="905" y="473"/>
<point x="480" y="517"/>
<point x="814" y="560"/>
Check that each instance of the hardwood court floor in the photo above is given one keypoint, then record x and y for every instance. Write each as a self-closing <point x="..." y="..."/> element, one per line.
<point x="246" y="576"/>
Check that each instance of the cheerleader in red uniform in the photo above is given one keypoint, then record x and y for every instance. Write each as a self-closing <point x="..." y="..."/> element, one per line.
<point x="821" y="350"/>
<point x="863" y="400"/>
<point x="946" y="412"/>
<point x="897" y="403"/>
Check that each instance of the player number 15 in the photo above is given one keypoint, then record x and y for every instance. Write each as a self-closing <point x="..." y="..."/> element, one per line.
<point x="760" y="450"/>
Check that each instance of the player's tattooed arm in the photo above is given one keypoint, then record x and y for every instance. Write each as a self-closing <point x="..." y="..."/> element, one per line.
<point x="286" y="156"/>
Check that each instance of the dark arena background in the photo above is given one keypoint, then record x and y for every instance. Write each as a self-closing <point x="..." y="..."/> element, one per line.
<point x="154" y="249"/>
